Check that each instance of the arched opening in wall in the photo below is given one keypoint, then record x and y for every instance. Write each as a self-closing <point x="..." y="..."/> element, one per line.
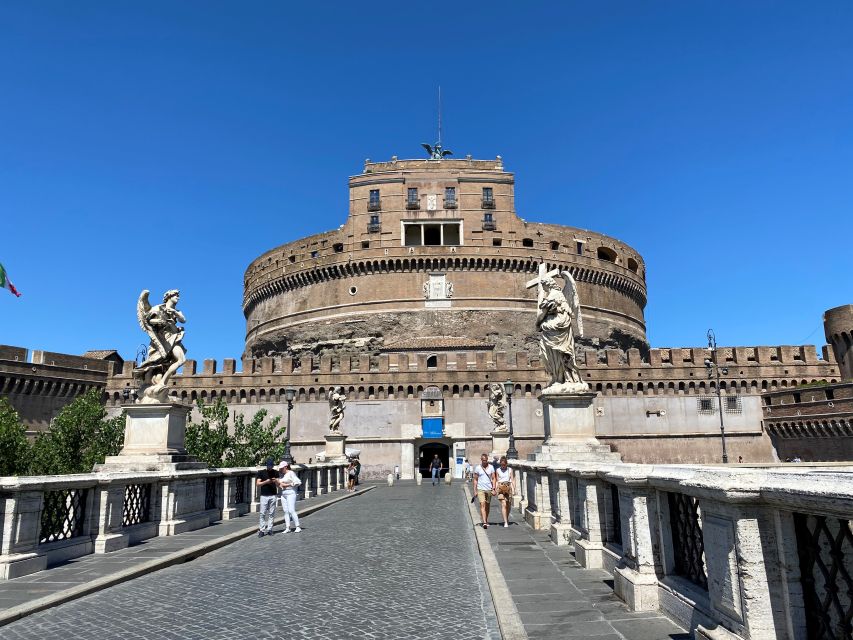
<point x="426" y="454"/>
<point x="432" y="362"/>
<point x="528" y="389"/>
<point x="410" y="391"/>
<point x="632" y="265"/>
<point x="537" y="390"/>
<point x="455" y="391"/>
<point x="555" y="246"/>
<point x="598" y="387"/>
<point x="371" y="393"/>
<point x="466" y="391"/>
<point x="476" y="390"/>
<point x="606" y="253"/>
<point x="527" y="242"/>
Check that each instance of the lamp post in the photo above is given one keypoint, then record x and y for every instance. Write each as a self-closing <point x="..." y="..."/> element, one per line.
<point x="289" y="395"/>
<point x="715" y="369"/>
<point x="511" y="452"/>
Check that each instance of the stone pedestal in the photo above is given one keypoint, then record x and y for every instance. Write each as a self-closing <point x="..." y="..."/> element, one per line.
<point x="336" y="447"/>
<point x="570" y="430"/>
<point x="153" y="440"/>
<point x="500" y="444"/>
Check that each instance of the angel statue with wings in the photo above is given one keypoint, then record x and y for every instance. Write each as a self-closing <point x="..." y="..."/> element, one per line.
<point x="166" y="351"/>
<point x="337" y="405"/>
<point x="557" y="309"/>
<point x="495" y="404"/>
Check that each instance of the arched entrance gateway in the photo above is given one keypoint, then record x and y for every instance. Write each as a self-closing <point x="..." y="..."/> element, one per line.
<point x="433" y="440"/>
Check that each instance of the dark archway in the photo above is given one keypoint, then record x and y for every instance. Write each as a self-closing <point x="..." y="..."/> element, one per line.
<point x="425" y="454"/>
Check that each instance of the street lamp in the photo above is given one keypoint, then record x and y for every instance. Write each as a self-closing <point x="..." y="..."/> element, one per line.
<point x="511" y="452"/>
<point x="715" y="370"/>
<point x="289" y="395"/>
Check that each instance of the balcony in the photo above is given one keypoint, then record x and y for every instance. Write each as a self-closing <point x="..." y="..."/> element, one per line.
<point x="488" y="204"/>
<point x="413" y="204"/>
<point x="489" y="225"/>
<point x="374" y="227"/>
<point x="450" y="204"/>
<point x="374" y="205"/>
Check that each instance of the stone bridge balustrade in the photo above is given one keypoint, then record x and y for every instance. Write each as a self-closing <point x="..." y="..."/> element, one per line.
<point x="47" y="520"/>
<point x="719" y="549"/>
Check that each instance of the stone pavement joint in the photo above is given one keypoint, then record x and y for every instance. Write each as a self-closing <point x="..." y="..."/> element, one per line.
<point x="82" y="573"/>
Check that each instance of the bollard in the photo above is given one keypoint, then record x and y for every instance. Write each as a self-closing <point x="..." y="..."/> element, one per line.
<point x="390" y="479"/>
<point x="418" y="478"/>
<point x="448" y="479"/>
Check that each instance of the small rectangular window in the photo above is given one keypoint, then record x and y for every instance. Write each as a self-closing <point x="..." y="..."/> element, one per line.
<point x="496" y="242"/>
<point x="580" y="248"/>
<point x="412" y="195"/>
<point x="314" y="254"/>
<point x="374" y="196"/>
<point x="488" y="194"/>
<point x="365" y="244"/>
<point x="374" y="219"/>
<point x="488" y="217"/>
<point x="450" y="194"/>
<point x="555" y="245"/>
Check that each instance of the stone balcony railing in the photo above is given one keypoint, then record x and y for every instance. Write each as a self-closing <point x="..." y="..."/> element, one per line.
<point x="727" y="552"/>
<point x="47" y="520"/>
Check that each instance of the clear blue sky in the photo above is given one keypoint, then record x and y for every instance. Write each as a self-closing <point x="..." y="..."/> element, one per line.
<point x="716" y="138"/>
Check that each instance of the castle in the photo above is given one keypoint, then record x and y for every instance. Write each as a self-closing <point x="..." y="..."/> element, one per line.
<point x="426" y="294"/>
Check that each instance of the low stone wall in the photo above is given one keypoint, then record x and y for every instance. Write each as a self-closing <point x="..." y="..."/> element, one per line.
<point x="47" y="520"/>
<point x="729" y="552"/>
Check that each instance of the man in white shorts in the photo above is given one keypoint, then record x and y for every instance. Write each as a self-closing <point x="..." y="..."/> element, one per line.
<point x="484" y="487"/>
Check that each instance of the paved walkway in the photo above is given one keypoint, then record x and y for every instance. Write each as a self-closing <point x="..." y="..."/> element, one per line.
<point x="556" y="598"/>
<point x="395" y="562"/>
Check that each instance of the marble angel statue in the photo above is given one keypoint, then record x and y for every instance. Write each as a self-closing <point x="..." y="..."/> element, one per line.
<point x="559" y="308"/>
<point x="337" y="405"/>
<point x="495" y="404"/>
<point x="166" y="352"/>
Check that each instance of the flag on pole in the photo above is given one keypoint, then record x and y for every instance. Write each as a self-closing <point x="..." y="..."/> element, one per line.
<point x="5" y="283"/>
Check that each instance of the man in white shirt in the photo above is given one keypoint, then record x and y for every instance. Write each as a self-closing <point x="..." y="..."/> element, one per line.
<point x="484" y="487"/>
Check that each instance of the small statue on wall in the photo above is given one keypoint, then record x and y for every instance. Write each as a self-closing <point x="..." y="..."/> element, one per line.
<point x="496" y="405"/>
<point x="166" y="352"/>
<point x="337" y="406"/>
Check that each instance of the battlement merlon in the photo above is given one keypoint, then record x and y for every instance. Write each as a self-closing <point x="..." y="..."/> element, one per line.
<point x="428" y="164"/>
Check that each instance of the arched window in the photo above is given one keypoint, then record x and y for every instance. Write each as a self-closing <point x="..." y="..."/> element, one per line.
<point x="632" y="265"/>
<point x="605" y="253"/>
<point x="432" y="362"/>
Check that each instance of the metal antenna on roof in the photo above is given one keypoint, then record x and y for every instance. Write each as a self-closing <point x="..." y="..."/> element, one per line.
<point x="436" y="152"/>
<point x="439" y="116"/>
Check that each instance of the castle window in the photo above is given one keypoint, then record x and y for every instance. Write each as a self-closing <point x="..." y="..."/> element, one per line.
<point x="412" y="201"/>
<point x="605" y="253"/>
<point x="527" y="242"/>
<point x="373" y="226"/>
<point x="554" y="245"/>
<point x="632" y="265"/>
<point x="450" y="197"/>
<point x="365" y="244"/>
<point x="412" y="236"/>
<point x="338" y="247"/>
<point x="431" y="234"/>
<point x="496" y="242"/>
<point x="314" y="254"/>
<point x="432" y="362"/>
<point x="488" y="198"/>
<point x="292" y="258"/>
<point x="580" y="248"/>
<point x="373" y="202"/>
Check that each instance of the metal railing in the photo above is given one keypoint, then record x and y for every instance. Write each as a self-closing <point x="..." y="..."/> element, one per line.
<point x="137" y="504"/>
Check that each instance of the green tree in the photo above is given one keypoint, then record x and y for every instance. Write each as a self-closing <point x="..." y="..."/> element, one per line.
<point x="80" y="437"/>
<point x="242" y="444"/>
<point x="209" y="440"/>
<point x="14" y="447"/>
<point x="255" y="441"/>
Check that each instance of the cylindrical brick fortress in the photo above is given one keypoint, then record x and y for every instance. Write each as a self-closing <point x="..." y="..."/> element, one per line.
<point x="434" y="248"/>
<point x="838" y="327"/>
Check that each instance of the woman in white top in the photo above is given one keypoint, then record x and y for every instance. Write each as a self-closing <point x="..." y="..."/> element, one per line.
<point x="504" y="481"/>
<point x="288" y="481"/>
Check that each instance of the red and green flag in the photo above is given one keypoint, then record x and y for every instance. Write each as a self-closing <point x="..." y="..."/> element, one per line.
<point x="5" y="283"/>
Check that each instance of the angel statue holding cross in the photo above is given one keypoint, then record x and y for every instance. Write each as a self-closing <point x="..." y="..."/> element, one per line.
<point x="166" y="352"/>
<point x="558" y="309"/>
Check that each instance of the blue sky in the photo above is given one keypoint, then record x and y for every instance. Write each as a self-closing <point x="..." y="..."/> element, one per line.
<point x="162" y="144"/>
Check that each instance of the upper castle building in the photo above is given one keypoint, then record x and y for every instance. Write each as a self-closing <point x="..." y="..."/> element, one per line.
<point x="435" y="248"/>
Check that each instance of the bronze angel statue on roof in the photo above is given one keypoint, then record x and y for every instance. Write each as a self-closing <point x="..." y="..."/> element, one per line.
<point x="166" y="352"/>
<point x="436" y="152"/>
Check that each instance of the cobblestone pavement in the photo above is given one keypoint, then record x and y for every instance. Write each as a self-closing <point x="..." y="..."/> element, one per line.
<point x="397" y="562"/>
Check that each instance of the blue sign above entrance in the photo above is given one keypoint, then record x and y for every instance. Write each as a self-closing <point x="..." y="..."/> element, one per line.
<point x="433" y="427"/>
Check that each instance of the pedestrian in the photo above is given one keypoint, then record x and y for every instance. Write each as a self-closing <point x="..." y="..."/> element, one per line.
<point x="435" y="467"/>
<point x="351" y="476"/>
<point x="740" y="459"/>
<point x="268" y="482"/>
<point x="397" y="471"/>
<point x="288" y="481"/>
<point x="484" y="487"/>
<point x="467" y="469"/>
<point x="504" y="481"/>
<point x="357" y="471"/>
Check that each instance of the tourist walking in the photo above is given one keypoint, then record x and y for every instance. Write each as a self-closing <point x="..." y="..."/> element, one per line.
<point x="467" y="469"/>
<point x="351" y="476"/>
<point x="268" y="482"/>
<point x="484" y="487"/>
<point x="505" y="482"/>
<point x="357" y="471"/>
<point x="435" y="467"/>
<point x="289" y="481"/>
